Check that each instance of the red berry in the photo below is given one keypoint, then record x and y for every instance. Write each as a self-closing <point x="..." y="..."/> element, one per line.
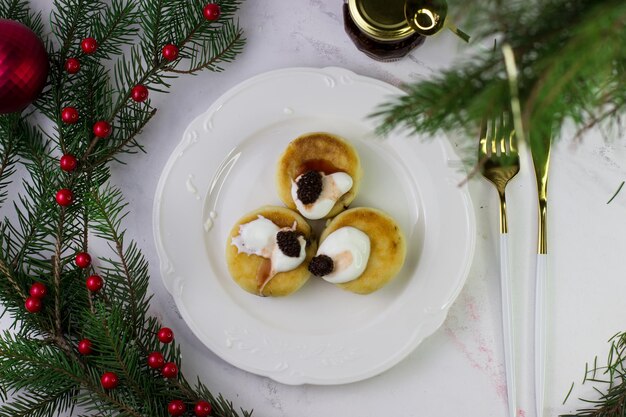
<point x="89" y="45"/>
<point x="64" y="197"/>
<point x="102" y="129"/>
<point x="83" y="260"/>
<point x="170" y="370"/>
<point x="139" y="93"/>
<point x="68" y="163"/>
<point x="33" y="304"/>
<point x="170" y="52"/>
<point x="212" y="12"/>
<point x="72" y="65"/>
<point x="38" y="290"/>
<point x="176" y="408"/>
<point x="156" y="360"/>
<point x="165" y="335"/>
<point x="109" y="380"/>
<point x="94" y="283"/>
<point x="69" y="115"/>
<point x="85" y="347"/>
<point x="203" y="409"/>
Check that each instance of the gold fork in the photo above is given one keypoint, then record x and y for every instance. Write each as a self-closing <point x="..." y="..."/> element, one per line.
<point x="499" y="161"/>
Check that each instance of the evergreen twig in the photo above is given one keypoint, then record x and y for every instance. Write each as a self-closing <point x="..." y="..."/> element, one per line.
<point x="40" y="367"/>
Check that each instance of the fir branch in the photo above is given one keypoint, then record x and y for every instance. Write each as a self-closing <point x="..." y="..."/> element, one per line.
<point x="557" y="82"/>
<point x="131" y="123"/>
<point x="29" y="364"/>
<point x="132" y="267"/>
<point x="19" y="10"/>
<point x="56" y="272"/>
<point x="8" y="154"/>
<point x="71" y="20"/>
<point x="612" y="401"/>
<point x="231" y="42"/>
<point x="116" y="28"/>
<point x="9" y="275"/>
<point x="39" y="405"/>
<point x="41" y="243"/>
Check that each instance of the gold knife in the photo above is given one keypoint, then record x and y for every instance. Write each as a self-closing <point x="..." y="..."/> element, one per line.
<point x="540" y="148"/>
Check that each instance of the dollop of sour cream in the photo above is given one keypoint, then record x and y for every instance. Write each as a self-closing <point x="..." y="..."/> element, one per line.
<point x="258" y="237"/>
<point x="333" y="187"/>
<point x="349" y="248"/>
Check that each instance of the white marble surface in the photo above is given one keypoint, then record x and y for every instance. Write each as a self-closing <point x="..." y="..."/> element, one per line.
<point x="459" y="370"/>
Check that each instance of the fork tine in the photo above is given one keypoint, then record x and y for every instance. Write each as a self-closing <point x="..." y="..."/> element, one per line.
<point x="503" y="135"/>
<point x="482" y="146"/>
<point x="512" y="135"/>
<point x="494" y="136"/>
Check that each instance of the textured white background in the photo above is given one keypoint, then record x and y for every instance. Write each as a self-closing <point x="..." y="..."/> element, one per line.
<point x="459" y="370"/>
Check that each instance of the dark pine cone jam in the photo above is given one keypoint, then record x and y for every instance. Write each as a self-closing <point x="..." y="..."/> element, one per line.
<point x="321" y="265"/>
<point x="288" y="243"/>
<point x="309" y="187"/>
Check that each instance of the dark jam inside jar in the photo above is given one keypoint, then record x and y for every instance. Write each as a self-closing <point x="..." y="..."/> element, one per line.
<point x="379" y="28"/>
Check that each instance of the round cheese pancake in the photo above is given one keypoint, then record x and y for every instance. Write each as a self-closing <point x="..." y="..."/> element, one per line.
<point x="387" y="247"/>
<point x="321" y="152"/>
<point x="251" y="271"/>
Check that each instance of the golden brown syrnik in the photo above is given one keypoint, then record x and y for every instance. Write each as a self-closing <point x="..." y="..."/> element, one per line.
<point x="386" y="250"/>
<point x="268" y="250"/>
<point x="319" y="175"/>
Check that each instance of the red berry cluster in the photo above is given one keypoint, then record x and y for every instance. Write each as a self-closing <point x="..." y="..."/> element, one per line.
<point x="64" y="197"/>
<point x="38" y="292"/>
<point x="89" y="46"/>
<point x="177" y="408"/>
<point x="211" y="12"/>
<point x="156" y="360"/>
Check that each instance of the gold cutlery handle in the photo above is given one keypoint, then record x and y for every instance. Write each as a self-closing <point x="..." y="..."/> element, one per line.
<point x="542" y="242"/>
<point x="504" y="226"/>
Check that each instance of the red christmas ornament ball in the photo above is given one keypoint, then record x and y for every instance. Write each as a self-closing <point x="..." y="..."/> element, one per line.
<point x="85" y="347"/>
<point x="38" y="290"/>
<point x="72" y="65"/>
<point x="102" y="129"/>
<point x="89" y="45"/>
<point x="109" y="380"/>
<point x="170" y="370"/>
<point x="139" y="93"/>
<point x="23" y="66"/>
<point x="170" y="52"/>
<point x="156" y="360"/>
<point x="64" y="197"/>
<point x="69" y="115"/>
<point x="33" y="304"/>
<point x="176" y="408"/>
<point x="82" y="260"/>
<point x="212" y="12"/>
<point x="202" y="409"/>
<point x="165" y="335"/>
<point x="68" y="163"/>
<point x="94" y="283"/>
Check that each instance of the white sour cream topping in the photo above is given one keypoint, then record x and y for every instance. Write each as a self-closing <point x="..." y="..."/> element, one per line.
<point x="349" y="248"/>
<point x="258" y="237"/>
<point x="333" y="187"/>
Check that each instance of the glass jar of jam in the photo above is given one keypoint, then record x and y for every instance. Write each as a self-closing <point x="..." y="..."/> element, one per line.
<point x="379" y="28"/>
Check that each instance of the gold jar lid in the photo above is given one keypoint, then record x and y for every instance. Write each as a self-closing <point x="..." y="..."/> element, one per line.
<point x="383" y="20"/>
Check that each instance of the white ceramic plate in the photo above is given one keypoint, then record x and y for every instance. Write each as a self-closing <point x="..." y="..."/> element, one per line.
<point x="224" y="167"/>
